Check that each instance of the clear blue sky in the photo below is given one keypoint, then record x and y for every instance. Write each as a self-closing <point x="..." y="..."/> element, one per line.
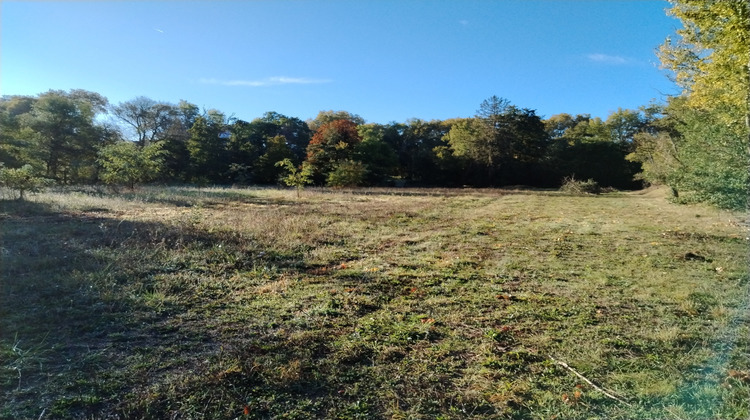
<point x="384" y="60"/>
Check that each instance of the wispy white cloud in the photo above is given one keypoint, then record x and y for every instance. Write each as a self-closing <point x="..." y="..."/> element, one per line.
<point x="608" y="59"/>
<point x="232" y="82"/>
<point x="269" y="81"/>
<point x="159" y="30"/>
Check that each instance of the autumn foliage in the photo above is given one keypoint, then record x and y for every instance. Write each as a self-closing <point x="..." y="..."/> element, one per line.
<point x="333" y="143"/>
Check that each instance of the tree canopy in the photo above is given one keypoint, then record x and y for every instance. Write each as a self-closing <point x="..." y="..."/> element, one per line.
<point x="703" y="152"/>
<point x="62" y="135"/>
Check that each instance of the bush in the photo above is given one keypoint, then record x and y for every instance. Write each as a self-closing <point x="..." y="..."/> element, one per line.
<point x="23" y="179"/>
<point x="574" y="186"/>
<point x="124" y="163"/>
<point x="348" y="173"/>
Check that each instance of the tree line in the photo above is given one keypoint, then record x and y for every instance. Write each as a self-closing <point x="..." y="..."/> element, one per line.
<point x="78" y="137"/>
<point x="697" y="142"/>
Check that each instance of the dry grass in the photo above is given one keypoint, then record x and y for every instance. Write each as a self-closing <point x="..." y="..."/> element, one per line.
<point x="227" y="303"/>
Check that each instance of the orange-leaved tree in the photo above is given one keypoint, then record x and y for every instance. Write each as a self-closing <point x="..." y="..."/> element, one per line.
<point x="332" y="144"/>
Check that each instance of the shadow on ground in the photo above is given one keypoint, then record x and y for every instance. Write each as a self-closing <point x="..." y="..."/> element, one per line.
<point x="88" y="330"/>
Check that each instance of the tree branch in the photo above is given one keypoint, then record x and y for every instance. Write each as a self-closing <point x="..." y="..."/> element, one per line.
<point x="565" y="365"/>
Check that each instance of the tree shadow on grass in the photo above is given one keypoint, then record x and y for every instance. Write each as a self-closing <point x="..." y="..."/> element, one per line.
<point x="108" y="318"/>
<point x="437" y="192"/>
<point x="191" y="197"/>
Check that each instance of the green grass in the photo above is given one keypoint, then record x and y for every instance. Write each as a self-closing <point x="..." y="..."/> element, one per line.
<point x="404" y="304"/>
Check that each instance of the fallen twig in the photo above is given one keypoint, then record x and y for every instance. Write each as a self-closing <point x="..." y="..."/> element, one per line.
<point x="566" y="366"/>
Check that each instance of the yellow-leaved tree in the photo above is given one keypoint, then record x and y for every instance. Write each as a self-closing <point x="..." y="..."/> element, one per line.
<point x="704" y="154"/>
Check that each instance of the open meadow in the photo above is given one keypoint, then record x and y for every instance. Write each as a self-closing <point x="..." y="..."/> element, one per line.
<point x="188" y="303"/>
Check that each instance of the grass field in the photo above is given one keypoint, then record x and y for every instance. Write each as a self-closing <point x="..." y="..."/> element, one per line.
<point x="184" y="303"/>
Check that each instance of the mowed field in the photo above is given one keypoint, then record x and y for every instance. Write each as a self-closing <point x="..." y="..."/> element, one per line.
<point x="187" y="303"/>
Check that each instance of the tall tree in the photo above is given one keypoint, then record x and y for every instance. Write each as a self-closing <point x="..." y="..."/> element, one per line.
<point x="207" y="148"/>
<point x="416" y="152"/>
<point x="589" y="148"/>
<point x="175" y="152"/>
<point x="325" y="117"/>
<point x="123" y="163"/>
<point x="277" y="150"/>
<point x="64" y="134"/>
<point x="15" y="138"/>
<point x="710" y="60"/>
<point x="466" y="139"/>
<point x="710" y="57"/>
<point x="494" y="140"/>
<point x="150" y="120"/>
<point x="187" y="113"/>
<point x="528" y="138"/>
<point x="502" y="139"/>
<point x="296" y="132"/>
<point x="334" y="142"/>
<point x="377" y="155"/>
<point x="655" y="149"/>
<point x="623" y="124"/>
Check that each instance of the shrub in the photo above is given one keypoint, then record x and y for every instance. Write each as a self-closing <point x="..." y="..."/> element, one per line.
<point x="575" y="186"/>
<point x="348" y="173"/>
<point x="22" y="179"/>
<point x="124" y="163"/>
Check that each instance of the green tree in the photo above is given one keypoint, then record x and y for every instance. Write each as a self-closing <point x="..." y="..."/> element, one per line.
<point x="377" y="155"/>
<point x="207" y="148"/>
<point x="267" y="136"/>
<point x="502" y="140"/>
<point x="710" y="61"/>
<point x="277" y="149"/>
<point x="174" y="141"/>
<point x="528" y="138"/>
<point x="707" y="158"/>
<point x="418" y="161"/>
<point x="325" y="117"/>
<point x="187" y="113"/>
<point x="124" y="163"/>
<point x="467" y="139"/>
<point x="247" y="143"/>
<point x="493" y="142"/>
<point x="296" y="132"/>
<point x="296" y="177"/>
<point x="347" y="173"/>
<point x="558" y="125"/>
<point x="623" y="124"/>
<point x="15" y="138"/>
<point x="654" y="147"/>
<point x="22" y="180"/>
<point x="582" y="147"/>
<point x="63" y="134"/>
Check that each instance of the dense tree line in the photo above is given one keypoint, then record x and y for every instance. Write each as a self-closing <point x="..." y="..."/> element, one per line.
<point x="78" y="137"/>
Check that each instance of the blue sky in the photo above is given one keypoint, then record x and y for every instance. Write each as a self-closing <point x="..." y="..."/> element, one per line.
<point x="384" y="60"/>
